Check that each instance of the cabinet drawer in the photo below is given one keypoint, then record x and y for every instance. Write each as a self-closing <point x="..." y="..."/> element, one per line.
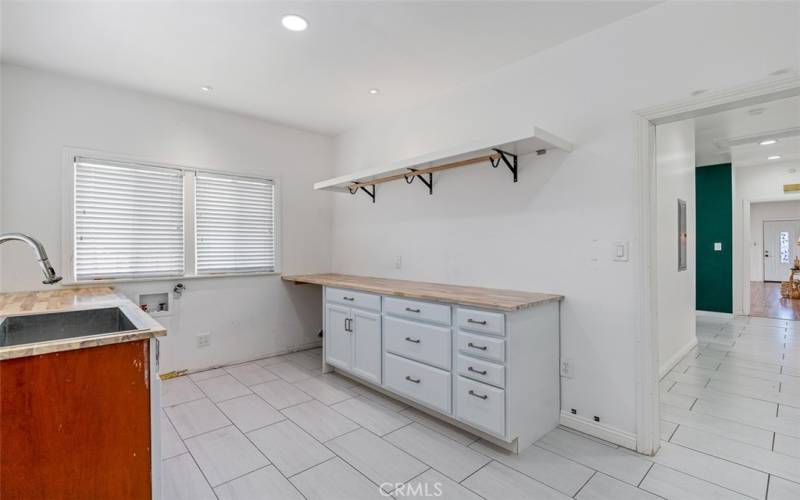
<point x="481" y="321"/>
<point x="481" y="405"/>
<point x="419" y="341"/>
<point x="482" y="346"/>
<point x="483" y="371"/>
<point x="353" y="299"/>
<point x="435" y="313"/>
<point x="425" y="384"/>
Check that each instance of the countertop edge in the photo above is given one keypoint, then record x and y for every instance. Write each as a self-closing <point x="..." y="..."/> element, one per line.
<point x="75" y="343"/>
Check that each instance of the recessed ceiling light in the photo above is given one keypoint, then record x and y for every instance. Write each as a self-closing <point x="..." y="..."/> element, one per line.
<point x="374" y="91"/>
<point x="206" y="88"/>
<point x="767" y="142"/>
<point x="293" y="22"/>
<point x="774" y="157"/>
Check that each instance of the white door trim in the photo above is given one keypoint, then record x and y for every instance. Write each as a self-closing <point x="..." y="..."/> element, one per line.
<point x="645" y="120"/>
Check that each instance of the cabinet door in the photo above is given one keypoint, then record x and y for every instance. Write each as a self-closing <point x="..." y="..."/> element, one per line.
<point x="337" y="337"/>
<point x="367" y="345"/>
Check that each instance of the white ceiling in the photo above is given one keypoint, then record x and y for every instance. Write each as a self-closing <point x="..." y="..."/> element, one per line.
<point x="735" y="135"/>
<point x="318" y="79"/>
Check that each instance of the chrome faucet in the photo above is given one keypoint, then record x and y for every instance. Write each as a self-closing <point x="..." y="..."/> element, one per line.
<point x="50" y="275"/>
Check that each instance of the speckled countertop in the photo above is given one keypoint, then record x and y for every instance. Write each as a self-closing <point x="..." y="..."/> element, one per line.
<point x="74" y="299"/>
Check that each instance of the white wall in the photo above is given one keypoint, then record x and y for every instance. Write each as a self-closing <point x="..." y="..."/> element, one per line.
<point x="553" y="231"/>
<point x="760" y="212"/>
<point x="675" y="170"/>
<point x="247" y="316"/>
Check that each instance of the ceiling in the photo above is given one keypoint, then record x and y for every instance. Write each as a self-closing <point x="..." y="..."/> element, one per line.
<point x="734" y="135"/>
<point x="317" y="79"/>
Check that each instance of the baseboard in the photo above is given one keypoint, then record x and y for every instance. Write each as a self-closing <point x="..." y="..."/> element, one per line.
<point x="598" y="430"/>
<point x="713" y="314"/>
<point x="676" y="358"/>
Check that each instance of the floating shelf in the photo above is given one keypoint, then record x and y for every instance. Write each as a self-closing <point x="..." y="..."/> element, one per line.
<point x="502" y="151"/>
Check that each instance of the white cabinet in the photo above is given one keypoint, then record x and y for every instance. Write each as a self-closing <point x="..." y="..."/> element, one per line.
<point x="353" y="341"/>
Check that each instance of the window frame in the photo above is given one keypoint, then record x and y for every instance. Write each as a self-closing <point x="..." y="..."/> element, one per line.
<point x="189" y="217"/>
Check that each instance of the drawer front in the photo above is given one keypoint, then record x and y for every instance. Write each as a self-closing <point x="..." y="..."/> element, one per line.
<point x="353" y="299"/>
<point x="425" y="311"/>
<point x="481" y="346"/>
<point x="481" y="405"/>
<point x="419" y="341"/>
<point x="482" y="371"/>
<point x="425" y="384"/>
<point x="481" y="321"/>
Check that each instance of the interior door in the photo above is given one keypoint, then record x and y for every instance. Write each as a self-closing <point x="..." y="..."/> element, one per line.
<point x="780" y="248"/>
<point x="337" y="336"/>
<point x="367" y="345"/>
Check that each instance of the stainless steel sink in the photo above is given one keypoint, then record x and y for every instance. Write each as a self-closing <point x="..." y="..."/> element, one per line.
<point x="33" y="328"/>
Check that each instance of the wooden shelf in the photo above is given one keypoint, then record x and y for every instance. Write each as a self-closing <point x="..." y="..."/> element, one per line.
<point x="534" y="141"/>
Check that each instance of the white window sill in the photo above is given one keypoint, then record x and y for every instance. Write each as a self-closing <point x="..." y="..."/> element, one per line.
<point x="168" y="278"/>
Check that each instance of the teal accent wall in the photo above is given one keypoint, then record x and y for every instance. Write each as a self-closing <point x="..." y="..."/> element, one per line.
<point x="714" y="224"/>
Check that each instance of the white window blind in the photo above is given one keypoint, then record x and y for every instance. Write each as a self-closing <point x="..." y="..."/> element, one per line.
<point x="128" y="220"/>
<point x="235" y="224"/>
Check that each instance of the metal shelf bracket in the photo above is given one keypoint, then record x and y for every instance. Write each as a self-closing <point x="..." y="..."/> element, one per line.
<point x="504" y="157"/>
<point x="354" y="190"/>
<point x="429" y="183"/>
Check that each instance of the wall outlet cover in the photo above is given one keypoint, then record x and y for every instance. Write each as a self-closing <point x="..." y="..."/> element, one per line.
<point x="204" y="340"/>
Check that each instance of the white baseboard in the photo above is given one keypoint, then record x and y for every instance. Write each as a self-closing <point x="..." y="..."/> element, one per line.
<point x="598" y="430"/>
<point x="669" y="364"/>
<point x="713" y="314"/>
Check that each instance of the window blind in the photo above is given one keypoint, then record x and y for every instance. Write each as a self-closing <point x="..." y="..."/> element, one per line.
<point x="128" y="220"/>
<point x="235" y="224"/>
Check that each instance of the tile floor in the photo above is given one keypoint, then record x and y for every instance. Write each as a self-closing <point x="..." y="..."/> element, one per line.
<point x="278" y="428"/>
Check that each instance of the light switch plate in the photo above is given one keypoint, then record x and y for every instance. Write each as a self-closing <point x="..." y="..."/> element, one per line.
<point x="621" y="251"/>
<point x="717" y="247"/>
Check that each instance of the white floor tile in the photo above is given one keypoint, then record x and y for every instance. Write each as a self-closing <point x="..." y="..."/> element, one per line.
<point x="787" y="445"/>
<point x="250" y="373"/>
<point x="319" y="420"/>
<point x="289" y="448"/>
<point x="179" y="390"/>
<point x="225" y="454"/>
<point x="322" y="391"/>
<point x="724" y="427"/>
<point x="382" y="463"/>
<point x="442" y="453"/>
<point x="182" y="480"/>
<point x="335" y="480"/>
<point x="499" y="482"/>
<point x="221" y="388"/>
<point x="781" y="489"/>
<point x="669" y="483"/>
<point x="207" y="374"/>
<point x="602" y="487"/>
<point x="338" y="380"/>
<point x="677" y="400"/>
<point x="280" y="394"/>
<point x="289" y="372"/>
<point x="372" y="395"/>
<point x="433" y="484"/>
<point x="171" y="444"/>
<point x="545" y="466"/>
<point x="451" y="431"/>
<point x="272" y="360"/>
<point x="372" y="416"/>
<point x="263" y="484"/>
<point x="250" y="412"/>
<point x="196" y="417"/>
<point x="618" y="463"/>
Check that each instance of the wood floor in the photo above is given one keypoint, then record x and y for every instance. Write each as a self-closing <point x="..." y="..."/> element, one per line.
<point x="766" y="302"/>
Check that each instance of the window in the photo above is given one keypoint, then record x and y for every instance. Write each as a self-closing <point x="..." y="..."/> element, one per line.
<point x="235" y="219"/>
<point x="784" y="246"/>
<point x="137" y="221"/>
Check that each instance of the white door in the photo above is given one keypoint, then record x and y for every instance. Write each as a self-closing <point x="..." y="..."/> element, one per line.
<point x="366" y="329"/>
<point x="337" y="336"/>
<point x="780" y="248"/>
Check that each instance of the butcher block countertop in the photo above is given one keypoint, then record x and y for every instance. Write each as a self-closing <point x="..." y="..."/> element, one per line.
<point x="489" y="298"/>
<point x="74" y="299"/>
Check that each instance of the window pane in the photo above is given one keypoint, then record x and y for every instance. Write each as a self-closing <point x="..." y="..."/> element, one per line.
<point x="235" y="218"/>
<point x="783" y="240"/>
<point x="128" y="220"/>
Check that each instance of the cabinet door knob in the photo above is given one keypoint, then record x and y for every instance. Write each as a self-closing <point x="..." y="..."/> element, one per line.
<point x="411" y="310"/>
<point x="416" y="341"/>
<point x="482" y="396"/>
<point x="479" y="372"/>
<point x="470" y="320"/>
<point x="415" y="380"/>
<point x="481" y="347"/>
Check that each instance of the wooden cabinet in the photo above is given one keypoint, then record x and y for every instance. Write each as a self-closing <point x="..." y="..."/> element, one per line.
<point x="77" y="424"/>
<point x="353" y="340"/>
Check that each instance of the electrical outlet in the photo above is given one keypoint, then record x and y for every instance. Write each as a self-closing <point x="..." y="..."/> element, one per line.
<point x="398" y="262"/>
<point x="204" y="340"/>
<point x="566" y="368"/>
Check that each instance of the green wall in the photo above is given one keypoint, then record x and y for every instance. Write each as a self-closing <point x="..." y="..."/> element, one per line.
<point x="714" y="223"/>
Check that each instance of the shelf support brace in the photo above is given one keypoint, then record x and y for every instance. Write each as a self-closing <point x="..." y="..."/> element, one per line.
<point x="429" y="183"/>
<point x="354" y="190"/>
<point x="504" y="157"/>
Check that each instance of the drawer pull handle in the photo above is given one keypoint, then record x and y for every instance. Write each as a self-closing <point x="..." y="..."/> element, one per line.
<point x="349" y="298"/>
<point x="416" y="341"/>
<point x="470" y="320"/>
<point x="479" y="372"/>
<point x="415" y="380"/>
<point x="409" y="309"/>
<point x="481" y="347"/>
<point x="482" y="396"/>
